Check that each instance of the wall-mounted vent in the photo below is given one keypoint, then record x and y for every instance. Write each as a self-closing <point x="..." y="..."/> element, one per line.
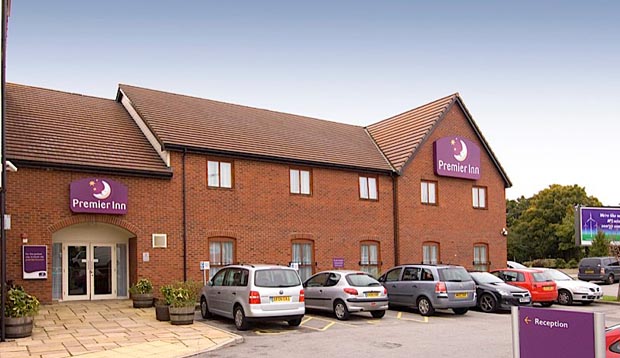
<point x="160" y="240"/>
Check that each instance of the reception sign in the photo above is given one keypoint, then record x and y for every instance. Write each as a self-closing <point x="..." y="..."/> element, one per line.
<point x="593" y="220"/>
<point x="98" y="196"/>
<point x="457" y="157"/>
<point x="34" y="261"/>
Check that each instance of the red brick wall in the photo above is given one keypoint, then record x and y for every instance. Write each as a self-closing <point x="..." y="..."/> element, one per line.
<point x="453" y="223"/>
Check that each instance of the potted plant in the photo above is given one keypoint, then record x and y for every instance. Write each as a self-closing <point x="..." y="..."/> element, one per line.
<point x="19" y="313"/>
<point x="182" y="297"/>
<point x="162" y="306"/>
<point x="142" y="293"/>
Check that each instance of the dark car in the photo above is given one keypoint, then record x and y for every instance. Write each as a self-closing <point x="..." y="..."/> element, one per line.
<point x="494" y="294"/>
<point x="430" y="287"/>
<point x="606" y="269"/>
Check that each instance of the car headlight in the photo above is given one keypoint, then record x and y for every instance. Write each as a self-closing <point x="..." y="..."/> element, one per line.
<point x="504" y="293"/>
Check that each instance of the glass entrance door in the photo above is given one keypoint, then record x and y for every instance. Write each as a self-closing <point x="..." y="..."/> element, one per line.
<point x="90" y="272"/>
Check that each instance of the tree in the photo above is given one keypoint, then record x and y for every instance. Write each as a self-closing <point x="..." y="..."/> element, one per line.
<point x="600" y="245"/>
<point x="543" y="226"/>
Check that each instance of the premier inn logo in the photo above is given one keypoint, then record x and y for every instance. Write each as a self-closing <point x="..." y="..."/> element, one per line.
<point x="98" y="196"/>
<point x="457" y="157"/>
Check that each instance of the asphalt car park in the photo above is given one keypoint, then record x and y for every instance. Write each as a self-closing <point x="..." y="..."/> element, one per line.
<point x="400" y="333"/>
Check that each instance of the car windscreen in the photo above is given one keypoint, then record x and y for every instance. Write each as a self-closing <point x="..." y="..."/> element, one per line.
<point x="590" y="262"/>
<point x="556" y="275"/>
<point x="485" y="277"/>
<point x="540" y="276"/>
<point x="276" y="278"/>
<point x="453" y="274"/>
<point x="361" y="280"/>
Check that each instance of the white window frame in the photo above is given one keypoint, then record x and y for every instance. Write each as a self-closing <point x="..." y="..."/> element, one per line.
<point x="219" y="174"/>
<point x="369" y="257"/>
<point x="368" y="188"/>
<point x="479" y="197"/>
<point x="300" y="181"/>
<point x="159" y="240"/>
<point x="430" y="253"/>
<point x="428" y="196"/>
<point x="481" y="257"/>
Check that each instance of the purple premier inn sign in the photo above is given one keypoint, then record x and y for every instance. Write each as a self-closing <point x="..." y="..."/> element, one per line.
<point x="34" y="261"/>
<point x="457" y="157"/>
<point x="98" y="196"/>
<point x="557" y="333"/>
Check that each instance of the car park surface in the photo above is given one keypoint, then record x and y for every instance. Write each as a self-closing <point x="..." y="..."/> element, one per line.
<point x="606" y="269"/>
<point x="571" y="290"/>
<point x="430" y="287"/>
<point x="248" y="293"/>
<point x="493" y="294"/>
<point x="343" y="292"/>
<point x="543" y="290"/>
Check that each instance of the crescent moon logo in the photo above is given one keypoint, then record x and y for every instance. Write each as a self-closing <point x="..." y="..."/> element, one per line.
<point x="105" y="192"/>
<point x="463" y="153"/>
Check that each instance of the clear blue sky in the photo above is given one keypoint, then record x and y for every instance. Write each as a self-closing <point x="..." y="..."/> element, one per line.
<point x="541" y="78"/>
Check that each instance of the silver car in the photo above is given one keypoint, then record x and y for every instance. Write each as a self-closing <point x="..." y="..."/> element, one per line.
<point x="430" y="287"/>
<point x="249" y="293"/>
<point x="344" y="292"/>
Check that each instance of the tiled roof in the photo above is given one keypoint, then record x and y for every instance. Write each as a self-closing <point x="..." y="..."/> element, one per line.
<point x="399" y="136"/>
<point x="180" y="121"/>
<point x="59" y="129"/>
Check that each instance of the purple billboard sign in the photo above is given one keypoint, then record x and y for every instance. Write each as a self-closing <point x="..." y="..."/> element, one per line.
<point x="457" y="157"/>
<point x="556" y="333"/>
<point x="338" y="262"/>
<point x="34" y="261"/>
<point x="98" y="196"/>
<point x="593" y="220"/>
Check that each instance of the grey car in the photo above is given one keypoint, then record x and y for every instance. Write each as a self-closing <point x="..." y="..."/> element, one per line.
<point x="249" y="293"/>
<point x="343" y="292"/>
<point x="606" y="269"/>
<point x="430" y="287"/>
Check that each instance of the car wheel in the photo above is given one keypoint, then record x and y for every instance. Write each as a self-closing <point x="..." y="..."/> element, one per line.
<point x="487" y="303"/>
<point x="341" y="311"/>
<point x="204" y="308"/>
<point x="241" y="322"/>
<point x="610" y="279"/>
<point x="294" y="322"/>
<point x="425" y="307"/>
<point x="377" y="314"/>
<point x="565" y="297"/>
<point x="546" y="304"/>
<point x="460" y="311"/>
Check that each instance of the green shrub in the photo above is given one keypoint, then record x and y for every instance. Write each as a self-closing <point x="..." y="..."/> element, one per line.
<point x="542" y="263"/>
<point x="181" y="294"/>
<point x="143" y="286"/>
<point x="20" y="304"/>
<point x="560" y="263"/>
<point x="573" y="263"/>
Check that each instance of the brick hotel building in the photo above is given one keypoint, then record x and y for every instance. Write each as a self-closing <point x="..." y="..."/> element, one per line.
<point x="151" y="184"/>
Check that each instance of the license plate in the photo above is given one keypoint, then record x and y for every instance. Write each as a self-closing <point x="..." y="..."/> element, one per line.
<point x="524" y="300"/>
<point x="460" y="295"/>
<point x="548" y="288"/>
<point x="372" y="294"/>
<point x="281" y="299"/>
<point x="589" y="271"/>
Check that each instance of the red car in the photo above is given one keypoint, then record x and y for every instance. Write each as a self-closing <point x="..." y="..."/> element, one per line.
<point x="612" y="341"/>
<point x="541" y="287"/>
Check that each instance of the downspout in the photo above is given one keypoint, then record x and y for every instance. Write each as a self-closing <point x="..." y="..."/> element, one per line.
<point x="395" y="218"/>
<point x="184" y="221"/>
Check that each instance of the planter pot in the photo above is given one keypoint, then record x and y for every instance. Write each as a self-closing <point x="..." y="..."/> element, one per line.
<point x="162" y="312"/>
<point x="18" y="327"/>
<point x="142" y="300"/>
<point x="182" y="315"/>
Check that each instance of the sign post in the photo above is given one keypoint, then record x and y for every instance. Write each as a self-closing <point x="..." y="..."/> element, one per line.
<point x="540" y="332"/>
<point x="204" y="267"/>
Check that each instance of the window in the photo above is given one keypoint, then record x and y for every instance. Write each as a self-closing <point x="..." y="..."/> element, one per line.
<point x="430" y="253"/>
<point x="370" y="258"/>
<point x="221" y="253"/>
<point x="481" y="261"/>
<point x="429" y="192"/>
<point x="393" y="275"/>
<point x="368" y="188"/>
<point x="219" y="174"/>
<point x="303" y="257"/>
<point x="479" y="197"/>
<point x="300" y="181"/>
